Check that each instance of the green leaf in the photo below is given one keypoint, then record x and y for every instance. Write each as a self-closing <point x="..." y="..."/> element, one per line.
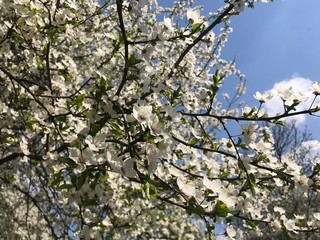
<point x="241" y="165"/>
<point x="261" y="157"/>
<point x="224" y="175"/>
<point x="193" y="141"/>
<point x="230" y="219"/>
<point x="133" y="61"/>
<point x="73" y="179"/>
<point x="132" y="77"/>
<point x="192" y="207"/>
<point x="280" y="123"/>
<point x="79" y="100"/>
<point x="81" y="179"/>
<point x="252" y="224"/>
<point x="114" y="124"/>
<point x="29" y="124"/>
<point x="61" y="118"/>
<point x="95" y="128"/>
<point x="251" y="181"/>
<point x="253" y="110"/>
<point x="35" y="161"/>
<point x="217" y="79"/>
<point x="150" y="138"/>
<point x="301" y="223"/>
<point x="176" y="93"/>
<point x="243" y="146"/>
<point x="146" y="190"/>
<point x="52" y="31"/>
<point x="280" y="174"/>
<point x="220" y="210"/>
<point x="216" y="76"/>
<point x="68" y="161"/>
<point x="153" y="191"/>
<point x="9" y="178"/>
<point x="54" y="181"/>
<point x="90" y="202"/>
<point x="251" y="5"/>
<point x="65" y="186"/>
<point x="150" y="190"/>
<point x="162" y="185"/>
<point x="269" y="187"/>
<point x="196" y="27"/>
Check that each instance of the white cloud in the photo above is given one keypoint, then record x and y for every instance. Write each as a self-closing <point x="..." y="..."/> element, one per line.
<point x="298" y="84"/>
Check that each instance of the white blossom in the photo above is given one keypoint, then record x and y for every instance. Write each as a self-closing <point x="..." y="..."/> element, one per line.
<point x="116" y="122"/>
<point x="239" y="5"/>
<point x="186" y="188"/>
<point x="142" y="113"/>
<point x="249" y="132"/>
<point x="316" y="88"/>
<point x="262" y="98"/>
<point x="193" y="16"/>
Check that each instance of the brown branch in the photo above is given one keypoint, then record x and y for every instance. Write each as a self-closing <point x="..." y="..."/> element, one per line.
<point x="34" y="201"/>
<point x="10" y="157"/>
<point x="203" y="148"/>
<point x="202" y="34"/>
<point x="157" y="39"/>
<point x="249" y="219"/>
<point x="258" y="119"/>
<point x="126" y="47"/>
<point x="200" y="176"/>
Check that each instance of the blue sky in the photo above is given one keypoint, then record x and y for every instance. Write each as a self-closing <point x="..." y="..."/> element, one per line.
<point x="276" y="42"/>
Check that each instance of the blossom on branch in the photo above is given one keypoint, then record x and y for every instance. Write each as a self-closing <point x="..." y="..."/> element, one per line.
<point x="115" y="123"/>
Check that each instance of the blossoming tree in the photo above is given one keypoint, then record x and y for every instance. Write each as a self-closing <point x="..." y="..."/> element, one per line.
<point x="301" y="201"/>
<point x="113" y="125"/>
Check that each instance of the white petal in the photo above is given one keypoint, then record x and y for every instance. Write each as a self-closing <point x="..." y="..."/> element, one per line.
<point x="74" y="154"/>
<point x="186" y="188"/>
<point x="128" y="168"/>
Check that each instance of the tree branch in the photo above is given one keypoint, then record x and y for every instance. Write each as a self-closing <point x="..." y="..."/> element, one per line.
<point x="202" y="34"/>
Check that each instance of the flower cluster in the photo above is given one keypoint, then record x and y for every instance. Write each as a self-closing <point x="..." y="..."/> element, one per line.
<point x="113" y="125"/>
